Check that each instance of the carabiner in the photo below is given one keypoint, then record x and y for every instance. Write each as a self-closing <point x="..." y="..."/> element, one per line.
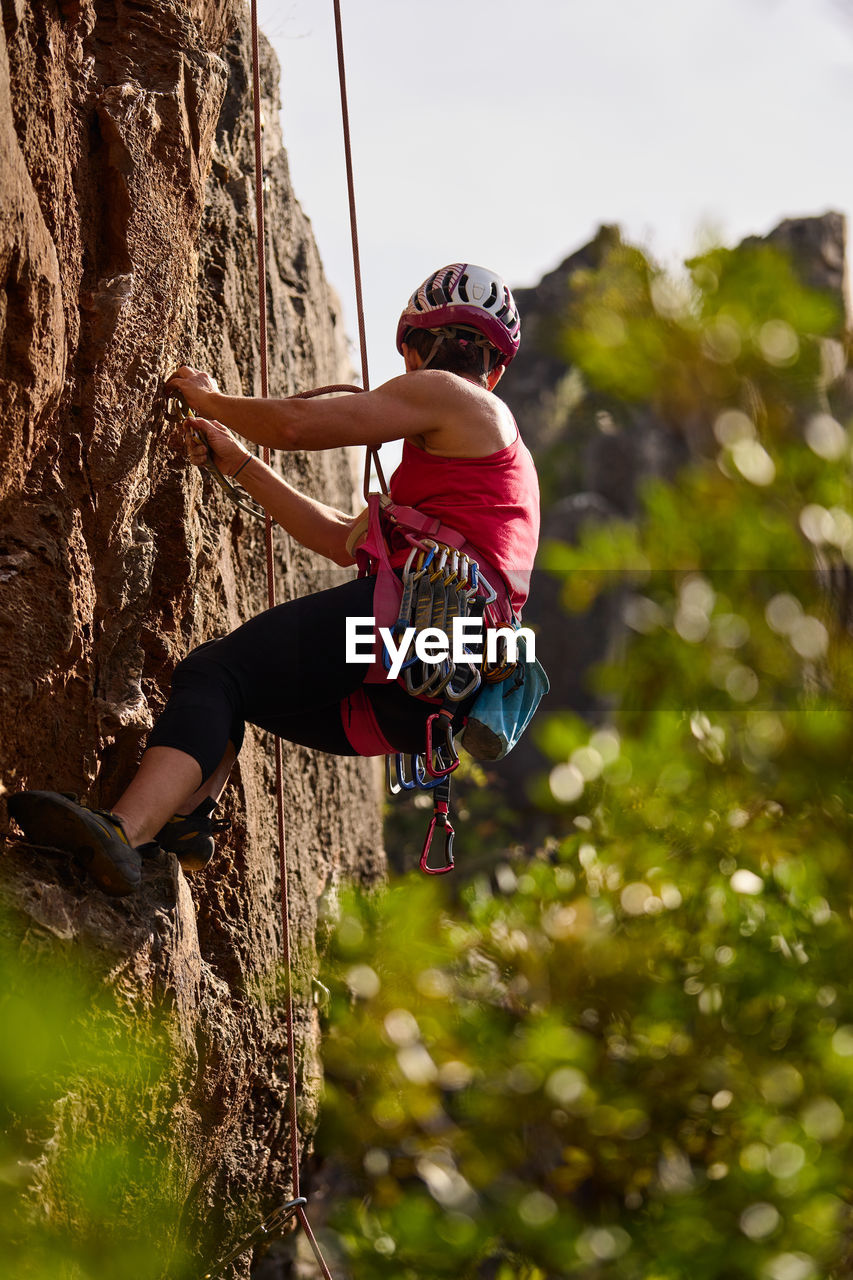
<point x="502" y="668"/>
<point x="404" y="783"/>
<point x="442" y="561"/>
<point x="391" y="786"/>
<point x="177" y="409"/>
<point x="398" y="781"/>
<point x="452" y="568"/>
<point x="273" y="1222"/>
<point x="398" y="629"/>
<point x="439" y="818"/>
<point x="462" y="586"/>
<point x="434" y="752"/>
<point x="419" y="775"/>
<point x="426" y="545"/>
<point x="441" y="675"/>
<point x="486" y="587"/>
<point x="410" y="559"/>
<point x="454" y="692"/>
<point x="425" y="549"/>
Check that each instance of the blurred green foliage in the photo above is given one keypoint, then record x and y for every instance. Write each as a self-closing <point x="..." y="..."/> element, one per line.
<point x="630" y="1053"/>
<point x="90" y="1174"/>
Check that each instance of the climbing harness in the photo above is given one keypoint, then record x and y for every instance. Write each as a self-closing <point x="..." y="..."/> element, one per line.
<point x="440" y="583"/>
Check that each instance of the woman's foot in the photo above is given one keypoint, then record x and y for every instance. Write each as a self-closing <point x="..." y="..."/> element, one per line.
<point x="93" y="836"/>
<point x="190" y="836"/>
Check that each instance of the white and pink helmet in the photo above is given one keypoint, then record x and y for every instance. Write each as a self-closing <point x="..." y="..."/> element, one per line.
<point x="465" y="295"/>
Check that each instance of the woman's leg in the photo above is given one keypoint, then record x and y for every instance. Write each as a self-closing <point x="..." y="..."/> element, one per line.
<point x="290" y="659"/>
<point x="162" y="783"/>
<point x="212" y="787"/>
<point x="285" y="670"/>
<point x="281" y="669"/>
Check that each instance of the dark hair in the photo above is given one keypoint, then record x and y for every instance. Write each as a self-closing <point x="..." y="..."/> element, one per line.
<point x="460" y="351"/>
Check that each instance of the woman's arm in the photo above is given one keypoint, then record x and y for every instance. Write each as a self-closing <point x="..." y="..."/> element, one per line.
<point x="438" y="411"/>
<point x="317" y="526"/>
<point x="408" y="406"/>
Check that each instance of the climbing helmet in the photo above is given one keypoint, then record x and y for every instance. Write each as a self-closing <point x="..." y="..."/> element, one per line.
<point x="467" y="296"/>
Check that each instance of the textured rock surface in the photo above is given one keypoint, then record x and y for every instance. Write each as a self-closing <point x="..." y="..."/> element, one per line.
<point x="126" y="246"/>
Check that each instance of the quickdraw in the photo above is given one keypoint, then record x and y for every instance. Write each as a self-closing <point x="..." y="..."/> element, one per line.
<point x="435" y="599"/>
<point x="440" y="584"/>
<point x="269" y="1227"/>
<point x="422" y="556"/>
<point x="439" y="784"/>
<point x="179" y="413"/>
<point x="440" y="819"/>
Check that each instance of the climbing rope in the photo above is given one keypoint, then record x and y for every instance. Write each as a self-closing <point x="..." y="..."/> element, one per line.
<point x="372" y="455"/>
<point x="296" y="1206"/>
<point x="271" y="599"/>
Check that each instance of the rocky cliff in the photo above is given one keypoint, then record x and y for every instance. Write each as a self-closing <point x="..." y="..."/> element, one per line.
<point x="126" y="247"/>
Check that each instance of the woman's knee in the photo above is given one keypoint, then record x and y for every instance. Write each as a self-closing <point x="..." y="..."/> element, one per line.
<point x="198" y="664"/>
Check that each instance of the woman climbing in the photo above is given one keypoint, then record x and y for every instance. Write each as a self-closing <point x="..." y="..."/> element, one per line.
<point x="285" y="670"/>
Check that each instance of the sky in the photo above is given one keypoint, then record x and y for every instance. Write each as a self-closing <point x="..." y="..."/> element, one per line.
<point x="505" y="133"/>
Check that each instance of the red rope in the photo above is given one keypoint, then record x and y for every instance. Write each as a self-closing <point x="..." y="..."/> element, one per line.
<point x="356" y="261"/>
<point x="372" y="456"/>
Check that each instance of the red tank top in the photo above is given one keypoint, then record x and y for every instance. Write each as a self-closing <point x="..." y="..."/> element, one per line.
<point x="493" y="502"/>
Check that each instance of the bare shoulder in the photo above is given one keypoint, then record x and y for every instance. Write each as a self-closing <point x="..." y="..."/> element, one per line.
<point x="467" y="420"/>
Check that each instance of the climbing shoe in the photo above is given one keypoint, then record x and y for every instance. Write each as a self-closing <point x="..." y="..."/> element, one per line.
<point x="93" y="836"/>
<point x="190" y="836"/>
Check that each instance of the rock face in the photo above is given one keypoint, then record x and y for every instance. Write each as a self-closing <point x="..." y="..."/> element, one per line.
<point x="127" y="247"/>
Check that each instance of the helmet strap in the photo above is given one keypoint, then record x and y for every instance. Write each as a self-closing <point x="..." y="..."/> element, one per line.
<point x="439" y="338"/>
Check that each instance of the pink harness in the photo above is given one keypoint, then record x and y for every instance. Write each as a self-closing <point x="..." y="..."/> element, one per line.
<point x="373" y="557"/>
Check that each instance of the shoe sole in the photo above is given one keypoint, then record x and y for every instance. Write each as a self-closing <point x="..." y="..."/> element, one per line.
<point x="48" y="819"/>
<point x="192" y="862"/>
<point x="188" y="862"/>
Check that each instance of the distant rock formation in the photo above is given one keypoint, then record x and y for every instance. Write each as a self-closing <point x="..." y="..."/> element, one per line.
<point x="819" y="248"/>
<point x="126" y="247"/>
<point x="601" y="458"/>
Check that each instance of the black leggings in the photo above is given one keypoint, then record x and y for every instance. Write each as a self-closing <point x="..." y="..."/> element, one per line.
<point x="284" y="671"/>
